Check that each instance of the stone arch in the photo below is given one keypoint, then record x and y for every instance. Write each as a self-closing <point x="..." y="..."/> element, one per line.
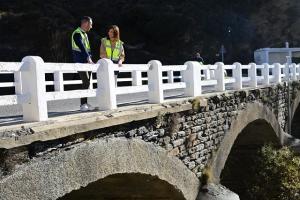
<point x="126" y="186"/>
<point x="90" y="161"/>
<point x="252" y="113"/>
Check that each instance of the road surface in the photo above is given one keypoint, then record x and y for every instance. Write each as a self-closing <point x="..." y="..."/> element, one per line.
<point x="13" y="114"/>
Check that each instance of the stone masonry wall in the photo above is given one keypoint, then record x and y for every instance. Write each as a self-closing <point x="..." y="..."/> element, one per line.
<point x="191" y="135"/>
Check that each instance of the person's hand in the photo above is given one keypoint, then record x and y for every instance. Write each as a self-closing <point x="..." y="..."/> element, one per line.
<point x="120" y="63"/>
<point x="89" y="60"/>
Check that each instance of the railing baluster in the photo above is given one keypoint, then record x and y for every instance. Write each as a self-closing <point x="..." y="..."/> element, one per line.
<point x="294" y="72"/>
<point x="170" y="77"/>
<point x="18" y="82"/>
<point x="91" y="81"/>
<point x="136" y="78"/>
<point x="265" y="73"/>
<point x="58" y="81"/>
<point x="206" y="73"/>
<point x="286" y="72"/>
<point x="297" y="72"/>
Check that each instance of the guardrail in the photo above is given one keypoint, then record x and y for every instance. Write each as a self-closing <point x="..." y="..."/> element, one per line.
<point x="194" y="79"/>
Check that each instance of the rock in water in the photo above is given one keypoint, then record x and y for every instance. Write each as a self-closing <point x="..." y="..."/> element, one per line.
<point x="216" y="192"/>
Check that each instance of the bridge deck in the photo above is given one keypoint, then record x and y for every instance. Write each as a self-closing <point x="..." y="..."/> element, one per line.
<point x="77" y="122"/>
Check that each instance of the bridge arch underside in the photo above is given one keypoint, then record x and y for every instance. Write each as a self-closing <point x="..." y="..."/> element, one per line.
<point x="295" y="112"/>
<point x="126" y="186"/>
<point x="240" y="164"/>
<point x="253" y="126"/>
<point x="100" y="163"/>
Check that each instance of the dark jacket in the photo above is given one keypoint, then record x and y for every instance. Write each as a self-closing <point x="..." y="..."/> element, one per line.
<point x="82" y="56"/>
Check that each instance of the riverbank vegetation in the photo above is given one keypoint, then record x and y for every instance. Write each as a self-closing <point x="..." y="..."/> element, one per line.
<point x="277" y="175"/>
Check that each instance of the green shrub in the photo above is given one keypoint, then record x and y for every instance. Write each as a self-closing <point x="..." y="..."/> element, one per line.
<point x="277" y="175"/>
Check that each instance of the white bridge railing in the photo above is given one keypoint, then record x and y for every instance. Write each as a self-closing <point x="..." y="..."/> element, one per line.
<point x="194" y="79"/>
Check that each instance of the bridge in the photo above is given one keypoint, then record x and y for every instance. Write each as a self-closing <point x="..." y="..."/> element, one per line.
<point x="172" y="132"/>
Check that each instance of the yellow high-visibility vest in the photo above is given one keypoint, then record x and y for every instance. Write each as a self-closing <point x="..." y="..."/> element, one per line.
<point x="113" y="54"/>
<point x="85" y="40"/>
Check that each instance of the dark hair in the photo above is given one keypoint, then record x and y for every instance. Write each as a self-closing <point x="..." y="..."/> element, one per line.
<point x="116" y="30"/>
<point x="85" y="19"/>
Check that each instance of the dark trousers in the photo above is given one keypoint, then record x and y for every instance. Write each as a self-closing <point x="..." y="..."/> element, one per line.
<point x="85" y="77"/>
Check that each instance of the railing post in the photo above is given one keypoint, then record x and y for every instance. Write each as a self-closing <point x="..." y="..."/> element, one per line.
<point x="265" y="72"/>
<point x="155" y="83"/>
<point x="170" y="77"/>
<point x="136" y="78"/>
<point x="253" y="75"/>
<point x="33" y="83"/>
<point x="191" y="77"/>
<point x="277" y="72"/>
<point x="212" y="73"/>
<point x="237" y="75"/>
<point x="106" y="87"/>
<point x="58" y="81"/>
<point x="294" y="72"/>
<point x="220" y="76"/>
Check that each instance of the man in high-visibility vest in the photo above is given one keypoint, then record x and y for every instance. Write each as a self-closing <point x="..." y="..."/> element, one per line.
<point x="82" y="54"/>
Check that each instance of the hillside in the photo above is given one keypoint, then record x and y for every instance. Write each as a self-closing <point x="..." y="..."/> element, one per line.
<point x="171" y="31"/>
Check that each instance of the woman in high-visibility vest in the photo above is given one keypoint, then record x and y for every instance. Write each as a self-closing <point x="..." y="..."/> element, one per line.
<point x="112" y="47"/>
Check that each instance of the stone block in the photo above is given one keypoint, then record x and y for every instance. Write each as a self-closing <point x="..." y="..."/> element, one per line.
<point x="183" y="154"/>
<point x="194" y="156"/>
<point x="161" y="132"/>
<point x="200" y="115"/>
<point x="174" y="152"/>
<point x="199" y="147"/>
<point x="182" y="148"/>
<point x="131" y="133"/>
<point x="208" y="119"/>
<point x="181" y="119"/>
<point x="142" y="130"/>
<point x="200" y="160"/>
<point x="178" y="142"/>
<point x="167" y="140"/>
<point x="191" y="165"/>
<point x="168" y="147"/>
<point x="208" y="144"/>
<point x="196" y="142"/>
<point x="181" y="134"/>
<point x="192" y="150"/>
<point x="195" y="129"/>
<point x="186" y="160"/>
<point x="203" y="138"/>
